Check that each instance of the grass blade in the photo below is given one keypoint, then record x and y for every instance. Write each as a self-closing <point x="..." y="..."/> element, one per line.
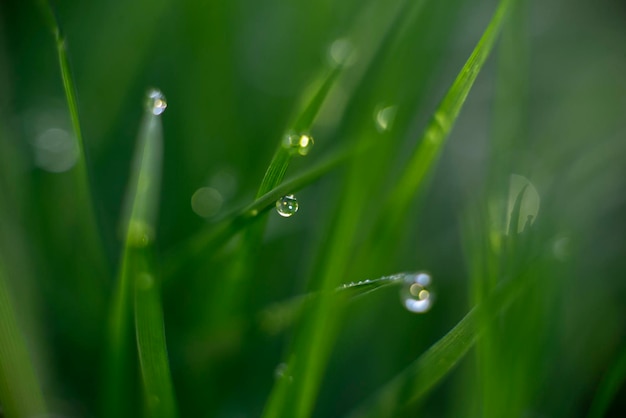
<point x="420" y="377"/>
<point x="155" y="371"/>
<point x="20" y="391"/>
<point x="441" y="123"/>
<point x="82" y="175"/>
<point x="141" y="210"/>
<point x="280" y="316"/>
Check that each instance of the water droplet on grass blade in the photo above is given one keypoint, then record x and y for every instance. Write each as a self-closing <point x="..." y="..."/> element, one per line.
<point x="155" y="101"/>
<point x="298" y="143"/>
<point x="286" y="206"/>
<point x="415" y="293"/>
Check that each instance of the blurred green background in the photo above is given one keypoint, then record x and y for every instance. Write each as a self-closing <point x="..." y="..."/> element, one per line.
<point x="233" y="73"/>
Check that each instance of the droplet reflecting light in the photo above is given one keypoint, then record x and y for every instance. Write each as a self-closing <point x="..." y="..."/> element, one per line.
<point x="300" y="143"/>
<point x="287" y="206"/>
<point x="415" y="295"/>
<point x="156" y="102"/>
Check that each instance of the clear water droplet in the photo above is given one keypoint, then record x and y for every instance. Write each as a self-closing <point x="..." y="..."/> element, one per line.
<point x="415" y="293"/>
<point x="286" y="206"/>
<point x="155" y="101"/>
<point x="298" y="143"/>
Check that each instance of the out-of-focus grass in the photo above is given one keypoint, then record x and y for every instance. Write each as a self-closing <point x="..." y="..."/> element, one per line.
<point x="241" y="309"/>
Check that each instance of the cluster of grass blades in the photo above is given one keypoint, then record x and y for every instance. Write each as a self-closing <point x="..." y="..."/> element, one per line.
<point x="137" y="370"/>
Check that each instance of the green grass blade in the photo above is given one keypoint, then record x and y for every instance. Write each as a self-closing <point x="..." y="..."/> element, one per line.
<point x="141" y="210"/>
<point x="281" y="315"/>
<point x="301" y="124"/>
<point x="441" y="123"/>
<point x="82" y="177"/>
<point x="20" y="391"/>
<point x="420" y="377"/>
<point x="609" y="387"/>
<point x="155" y="371"/>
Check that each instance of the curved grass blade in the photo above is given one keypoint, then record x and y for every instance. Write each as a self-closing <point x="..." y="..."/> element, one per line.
<point x="609" y="387"/>
<point x="141" y="212"/>
<point x="20" y="391"/>
<point x="441" y="123"/>
<point x="427" y="371"/>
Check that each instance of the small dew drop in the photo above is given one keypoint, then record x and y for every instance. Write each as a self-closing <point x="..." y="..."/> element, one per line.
<point x="298" y="143"/>
<point x="287" y="206"/>
<point x="415" y="295"/>
<point x="155" y="101"/>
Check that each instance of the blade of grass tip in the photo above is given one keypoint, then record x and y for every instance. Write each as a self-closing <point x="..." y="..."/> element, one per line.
<point x="82" y="175"/>
<point x="297" y="139"/>
<point x="281" y="315"/>
<point x="609" y="387"/>
<point x="141" y="210"/>
<point x="430" y="368"/>
<point x="441" y="123"/>
<point x="20" y="391"/>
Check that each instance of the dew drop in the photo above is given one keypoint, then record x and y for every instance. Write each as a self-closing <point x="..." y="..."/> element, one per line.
<point x="155" y="101"/>
<point x="286" y="206"/>
<point x="415" y="293"/>
<point x="298" y="143"/>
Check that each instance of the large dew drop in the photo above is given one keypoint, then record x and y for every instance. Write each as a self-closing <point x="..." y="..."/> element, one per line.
<point x="286" y="206"/>
<point x="155" y="101"/>
<point x="415" y="294"/>
<point x="298" y="143"/>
